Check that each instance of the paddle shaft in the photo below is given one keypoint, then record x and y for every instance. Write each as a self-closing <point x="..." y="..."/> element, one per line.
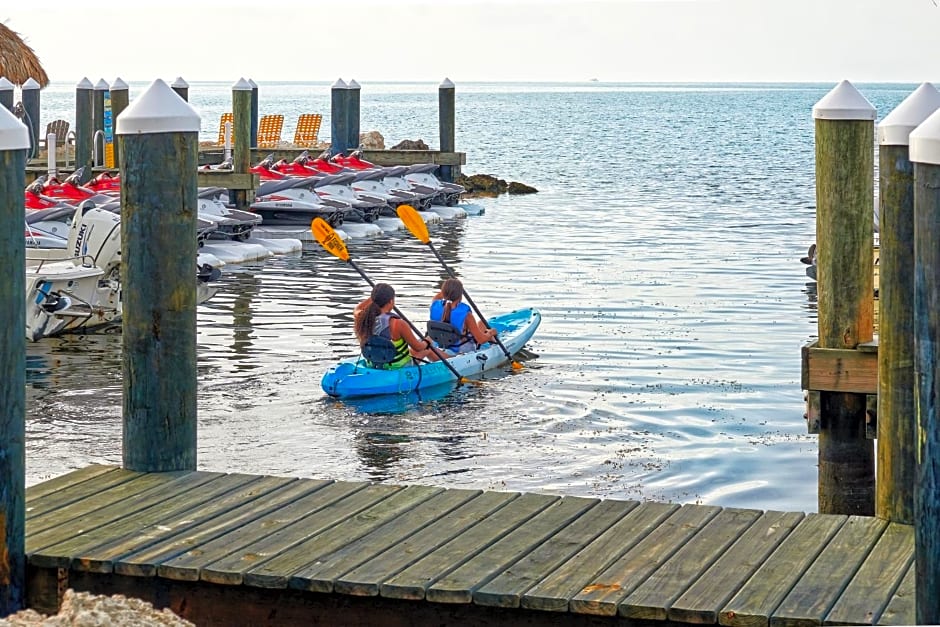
<point x="440" y="355"/>
<point x="469" y="300"/>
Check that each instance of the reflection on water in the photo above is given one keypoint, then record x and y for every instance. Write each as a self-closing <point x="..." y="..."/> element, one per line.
<point x="665" y="263"/>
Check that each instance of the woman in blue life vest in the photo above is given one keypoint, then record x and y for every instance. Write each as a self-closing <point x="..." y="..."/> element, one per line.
<point x="447" y="307"/>
<point x="375" y="322"/>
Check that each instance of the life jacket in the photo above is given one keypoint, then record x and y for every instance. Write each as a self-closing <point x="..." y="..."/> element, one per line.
<point x="381" y="351"/>
<point x="449" y="333"/>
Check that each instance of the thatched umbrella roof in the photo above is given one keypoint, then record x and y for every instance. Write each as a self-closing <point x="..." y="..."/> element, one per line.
<point x="18" y="62"/>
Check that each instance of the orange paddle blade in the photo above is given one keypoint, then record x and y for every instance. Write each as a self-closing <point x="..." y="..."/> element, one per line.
<point x="329" y="239"/>
<point x="414" y="222"/>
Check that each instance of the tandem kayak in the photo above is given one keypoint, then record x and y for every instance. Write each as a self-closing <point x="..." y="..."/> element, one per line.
<point x="351" y="378"/>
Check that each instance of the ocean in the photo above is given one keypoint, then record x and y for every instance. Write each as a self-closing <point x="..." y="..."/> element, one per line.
<point x="662" y="249"/>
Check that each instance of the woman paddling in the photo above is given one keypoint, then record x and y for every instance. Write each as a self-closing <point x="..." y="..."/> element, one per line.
<point x="386" y="340"/>
<point x="452" y="324"/>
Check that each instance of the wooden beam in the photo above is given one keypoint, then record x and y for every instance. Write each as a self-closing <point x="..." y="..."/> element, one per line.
<point x="840" y="369"/>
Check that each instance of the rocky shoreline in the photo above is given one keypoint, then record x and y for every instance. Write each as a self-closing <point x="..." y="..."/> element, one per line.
<point x="81" y="609"/>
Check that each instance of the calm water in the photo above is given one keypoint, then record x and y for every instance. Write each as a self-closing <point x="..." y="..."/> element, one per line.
<point x="662" y="249"/>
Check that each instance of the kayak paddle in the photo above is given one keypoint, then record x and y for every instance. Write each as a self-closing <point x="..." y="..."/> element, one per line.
<point x="333" y="243"/>
<point x="409" y="215"/>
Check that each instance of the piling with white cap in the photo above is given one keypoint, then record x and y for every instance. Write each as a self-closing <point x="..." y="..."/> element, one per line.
<point x="339" y="117"/>
<point x="6" y="93"/>
<point x="84" y="123"/>
<point x="897" y="422"/>
<point x="181" y="87"/>
<point x="925" y="153"/>
<point x="14" y="143"/>
<point x="845" y="136"/>
<point x="158" y="140"/>
<point x="120" y="98"/>
<point x="446" y="115"/>
<point x="30" y="94"/>
<point x="241" y="129"/>
<point x="353" y="116"/>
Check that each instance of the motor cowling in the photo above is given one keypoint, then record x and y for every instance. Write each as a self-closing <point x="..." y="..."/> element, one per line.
<point x="96" y="234"/>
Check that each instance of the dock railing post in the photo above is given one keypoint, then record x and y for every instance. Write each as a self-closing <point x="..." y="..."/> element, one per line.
<point x="446" y="114"/>
<point x="353" y="113"/>
<point x="30" y="93"/>
<point x="84" y="122"/>
<point x="925" y="153"/>
<point x="14" y="142"/>
<point x="181" y="87"/>
<point x="158" y="138"/>
<point x="897" y="422"/>
<point x="120" y="98"/>
<point x="254" y="113"/>
<point x="339" y="120"/>
<point x="6" y="93"/>
<point x="241" y="127"/>
<point x="845" y="127"/>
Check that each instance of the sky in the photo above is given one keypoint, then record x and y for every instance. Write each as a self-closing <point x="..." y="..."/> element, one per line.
<point x="485" y="40"/>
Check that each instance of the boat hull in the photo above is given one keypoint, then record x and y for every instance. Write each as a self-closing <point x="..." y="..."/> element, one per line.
<point x="351" y="378"/>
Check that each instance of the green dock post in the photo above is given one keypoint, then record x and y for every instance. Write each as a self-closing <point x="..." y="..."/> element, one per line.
<point x="181" y="87"/>
<point x="84" y="123"/>
<point x="30" y="94"/>
<point x="241" y="131"/>
<point x="158" y="138"/>
<point x="446" y="114"/>
<point x="120" y="98"/>
<point x="6" y="93"/>
<point x="254" y="113"/>
<point x="845" y="136"/>
<point x="353" y="113"/>
<point x="897" y="423"/>
<point x="925" y="153"/>
<point x="14" y="142"/>
<point x="339" y="119"/>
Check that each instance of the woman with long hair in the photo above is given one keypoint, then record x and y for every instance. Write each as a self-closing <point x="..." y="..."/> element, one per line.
<point x="386" y="339"/>
<point x="466" y="332"/>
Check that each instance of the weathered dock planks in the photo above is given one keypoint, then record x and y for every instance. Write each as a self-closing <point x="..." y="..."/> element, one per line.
<point x="226" y="549"/>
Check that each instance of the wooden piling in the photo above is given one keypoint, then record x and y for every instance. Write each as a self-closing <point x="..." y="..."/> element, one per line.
<point x="6" y="93"/>
<point x="925" y="153"/>
<point x="897" y="423"/>
<point x="181" y="87"/>
<point x="254" y="113"/>
<point x="339" y="120"/>
<point x="120" y="98"/>
<point x="241" y="151"/>
<point x="84" y="122"/>
<point x="14" y="143"/>
<point x="158" y="138"/>
<point x="446" y="114"/>
<point x="844" y="122"/>
<point x="99" y="140"/>
<point x="30" y="94"/>
<point x="353" y="113"/>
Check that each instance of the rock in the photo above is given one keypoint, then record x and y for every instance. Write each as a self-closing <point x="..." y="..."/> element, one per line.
<point x="489" y="185"/>
<point x="372" y="140"/>
<point x="81" y="609"/>
<point x="411" y="144"/>
<point x="520" y="188"/>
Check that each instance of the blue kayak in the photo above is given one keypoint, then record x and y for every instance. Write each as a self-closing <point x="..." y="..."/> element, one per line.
<point x="352" y="378"/>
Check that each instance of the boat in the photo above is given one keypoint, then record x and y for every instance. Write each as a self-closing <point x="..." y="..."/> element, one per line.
<point x="352" y="378"/>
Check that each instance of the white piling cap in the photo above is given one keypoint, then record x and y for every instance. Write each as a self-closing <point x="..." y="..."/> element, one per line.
<point x="925" y="141"/>
<point x="844" y="102"/>
<point x="84" y="84"/>
<point x="179" y="83"/>
<point x="447" y="84"/>
<point x="353" y="84"/>
<point x="241" y="85"/>
<point x="158" y="110"/>
<point x="30" y="84"/>
<point x="253" y="84"/>
<point x="5" y="84"/>
<point x="118" y="84"/>
<point x="339" y="84"/>
<point x="896" y="127"/>
<point x="13" y="134"/>
<point x="101" y="85"/>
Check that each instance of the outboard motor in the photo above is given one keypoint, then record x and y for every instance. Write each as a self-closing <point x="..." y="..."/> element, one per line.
<point x="96" y="234"/>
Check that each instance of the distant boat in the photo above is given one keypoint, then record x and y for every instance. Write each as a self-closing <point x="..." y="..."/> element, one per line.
<point x="593" y="80"/>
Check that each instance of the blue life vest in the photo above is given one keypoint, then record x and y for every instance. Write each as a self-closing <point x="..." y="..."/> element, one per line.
<point x="455" y="338"/>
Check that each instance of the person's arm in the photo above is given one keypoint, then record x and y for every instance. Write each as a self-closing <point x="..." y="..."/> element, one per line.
<point x="420" y="347"/>
<point x="480" y="334"/>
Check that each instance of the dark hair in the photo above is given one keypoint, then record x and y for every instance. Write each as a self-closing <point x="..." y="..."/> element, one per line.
<point x="382" y="294"/>
<point x="452" y="291"/>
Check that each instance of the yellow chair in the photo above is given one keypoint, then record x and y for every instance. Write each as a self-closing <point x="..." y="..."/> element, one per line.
<point x="269" y="130"/>
<point x="308" y="129"/>
<point x="226" y="117"/>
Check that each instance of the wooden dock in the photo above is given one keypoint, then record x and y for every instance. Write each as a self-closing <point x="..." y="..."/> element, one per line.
<point x="229" y="549"/>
